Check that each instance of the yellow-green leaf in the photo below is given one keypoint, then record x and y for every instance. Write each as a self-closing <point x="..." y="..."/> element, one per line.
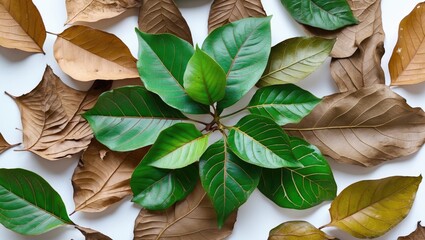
<point x="297" y="230"/>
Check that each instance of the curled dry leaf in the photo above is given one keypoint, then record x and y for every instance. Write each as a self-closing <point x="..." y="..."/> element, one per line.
<point x="4" y="145"/>
<point x="163" y="16"/>
<point x="95" y="10"/>
<point x="52" y="125"/>
<point x="88" y="54"/>
<point x="192" y="218"/>
<point x="369" y="209"/>
<point x="91" y="234"/>
<point x="227" y="11"/>
<point x="368" y="13"/>
<point x="22" y="26"/>
<point x="297" y="230"/>
<point x="102" y="177"/>
<point x="407" y="62"/>
<point x="418" y="234"/>
<point x="364" y="127"/>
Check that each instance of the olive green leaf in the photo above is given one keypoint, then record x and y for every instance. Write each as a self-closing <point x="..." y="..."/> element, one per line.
<point x="242" y="49"/>
<point x="283" y="103"/>
<point x="324" y="14"/>
<point x="28" y="204"/>
<point x="158" y="189"/>
<point x="129" y="118"/>
<point x="300" y="188"/>
<point x="260" y="141"/>
<point x="177" y="146"/>
<point x="369" y="209"/>
<point x="204" y="79"/>
<point x="227" y="179"/>
<point x="162" y="62"/>
<point x="297" y="230"/>
<point x="294" y="59"/>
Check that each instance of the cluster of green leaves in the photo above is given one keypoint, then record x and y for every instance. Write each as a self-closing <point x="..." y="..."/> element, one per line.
<point x="255" y="152"/>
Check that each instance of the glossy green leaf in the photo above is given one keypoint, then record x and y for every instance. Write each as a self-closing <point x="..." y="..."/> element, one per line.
<point x="283" y="103"/>
<point x="177" y="146"/>
<point x="324" y="14"/>
<point x="300" y="188"/>
<point x="129" y="118"/>
<point x="227" y="179"/>
<point x="242" y="48"/>
<point x="162" y="62"/>
<point x="369" y="209"/>
<point x="159" y="189"/>
<point x="297" y="230"/>
<point x="204" y="79"/>
<point x="28" y="204"/>
<point x="294" y="59"/>
<point x="260" y="141"/>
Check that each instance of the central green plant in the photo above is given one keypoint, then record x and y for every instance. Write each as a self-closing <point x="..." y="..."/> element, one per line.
<point x="180" y="81"/>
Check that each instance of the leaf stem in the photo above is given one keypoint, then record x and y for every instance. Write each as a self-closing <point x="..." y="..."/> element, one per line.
<point x="197" y="121"/>
<point x="234" y="113"/>
<point x="55" y="34"/>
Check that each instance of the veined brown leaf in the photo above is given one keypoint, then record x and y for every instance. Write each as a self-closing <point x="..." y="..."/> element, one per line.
<point x="192" y="218"/>
<point x="52" y="125"/>
<point x="4" y="145"/>
<point x="297" y="230"/>
<point x="369" y="209"/>
<point x="91" y="234"/>
<point x="21" y="26"/>
<point x="368" y="13"/>
<point x="95" y="10"/>
<point x="102" y="177"/>
<point x="227" y="11"/>
<point x="364" y="127"/>
<point x="88" y="54"/>
<point x="418" y="234"/>
<point x="163" y="16"/>
<point x="407" y="62"/>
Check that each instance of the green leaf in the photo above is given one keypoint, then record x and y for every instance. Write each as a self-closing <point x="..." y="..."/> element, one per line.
<point x="162" y="62"/>
<point x="158" y="189"/>
<point x="300" y="188"/>
<point x="129" y="118"/>
<point x="242" y="48"/>
<point x="204" y="79"/>
<point x="294" y="59"/>
<point x="260" y="141"/>
<point x="369" y="209"/>
<point x="283" y="103"/>
<point x="227" y="179"/>
<point x="297" y="230"/>
<point x="176" y="147"/>
<point x="28" y="204"/>
<point x="324" y="14"/>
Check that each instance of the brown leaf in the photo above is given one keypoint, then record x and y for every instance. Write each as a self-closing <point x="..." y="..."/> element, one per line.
<point x="163" y="16"/>
<point x="52" y="125"/>
<point x="364" y="127"/>
<point x="21" y="26"/>
<point x="4" y="145"/>
<point x="368" y="12"/>
<point x="418" y="234"/>
<point x="297" y="230"/>
<point x="95" y="10"/>
<point x="88" y="54"/>
<point x="91" y="234"/>
<point x="227" y="11"/>
<point x="192" y="218"/>
<point x="102" y="177"/>
<point x="407" y="62"/>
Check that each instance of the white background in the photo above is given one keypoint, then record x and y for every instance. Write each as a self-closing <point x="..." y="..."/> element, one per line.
<point x="20" y="73"/>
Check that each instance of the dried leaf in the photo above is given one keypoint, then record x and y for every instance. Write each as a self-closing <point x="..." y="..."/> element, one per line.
<point x="52" y="125"/>
<point x="297" y="230"/>
<point x="21" y="26"/>
<point x="349" y="39"/>
<point x="91" y="234"/>
<point x="95" y="10"/>
<point x="4" y="145"/>
<point x="163" y="16"/>
<point x="102" y="177"/>
<point x="88" y="54"/>
<point x="227" y="11"/>
<point x="192" y="218"/>
<point x="407" y="62"/>
<point x="364" y="127"/>
<point x="418" y="234"/>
